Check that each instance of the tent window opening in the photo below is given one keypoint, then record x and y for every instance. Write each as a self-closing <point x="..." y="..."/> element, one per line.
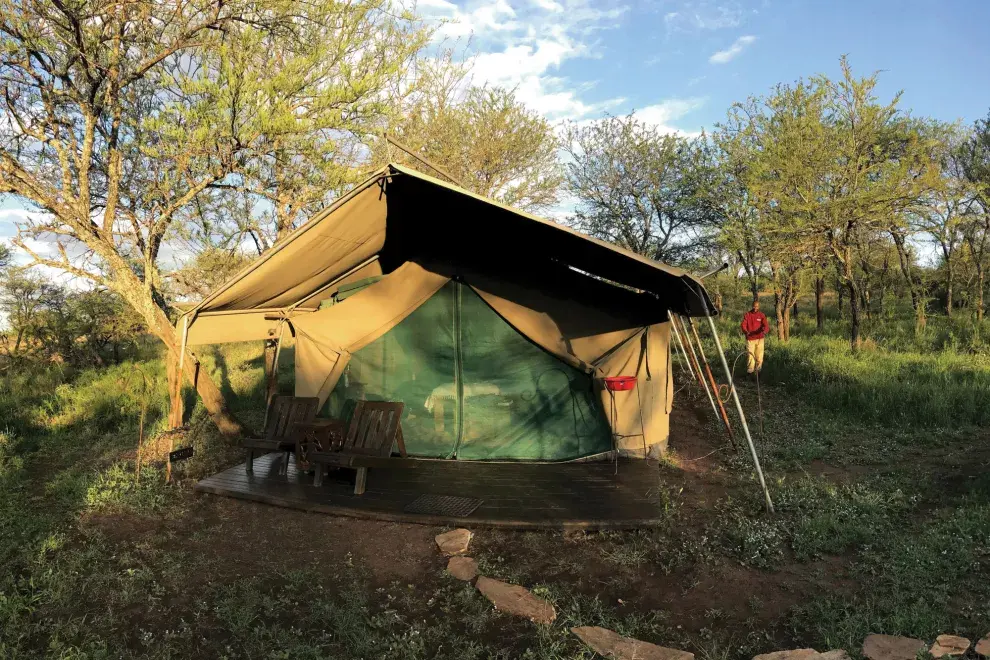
<point x="474" y="388"/>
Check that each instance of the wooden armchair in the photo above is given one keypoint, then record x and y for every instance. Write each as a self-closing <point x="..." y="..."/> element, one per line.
<point x="280" y="435"/>
<point x="374" y="428"/>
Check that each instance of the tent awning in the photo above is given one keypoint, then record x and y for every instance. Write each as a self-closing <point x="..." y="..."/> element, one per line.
<point x="400" y="215"/>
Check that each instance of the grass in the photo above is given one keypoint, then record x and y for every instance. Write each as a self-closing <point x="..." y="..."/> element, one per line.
<point x="876" y="463"/>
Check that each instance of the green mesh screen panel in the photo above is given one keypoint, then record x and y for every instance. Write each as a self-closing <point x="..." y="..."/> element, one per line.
<point x="474" y="388"/>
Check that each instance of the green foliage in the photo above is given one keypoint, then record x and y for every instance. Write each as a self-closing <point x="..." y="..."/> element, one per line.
<point x="484" y="137"/>
<point x="117" y="489"/>
<point x="638" y="187"/>
<point x="52" y="322"/>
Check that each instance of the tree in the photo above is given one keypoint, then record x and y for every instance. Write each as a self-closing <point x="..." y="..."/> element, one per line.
<point x="942" y="212"/>
<point x="484" y="137"/>
<point x="100" y="324"/>
<point x="637" y="187"/>
<point x="206" y="271"/>
<point x="974" y="156"/>
<point x="881" y="165"/>
<point x="725" y="163"/>
<point x="781" y="140"/>
<point x="23" y="300"/>
<point x="119" y="117"/>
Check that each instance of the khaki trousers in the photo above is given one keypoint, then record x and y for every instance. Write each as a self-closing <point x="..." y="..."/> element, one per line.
<point x="754" y="357"/>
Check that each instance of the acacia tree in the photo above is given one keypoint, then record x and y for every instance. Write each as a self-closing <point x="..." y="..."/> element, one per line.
<point x="942" y="213"/>
<point x="784" y="141"/>
<point x="484" y="137"/>
<point x="724" y="166"/>
<point x="118" y="117"/>
<point x="974" y="156"/>
<point x="880" y="166"/>
<point x="24" y="297"/>
<point x="638" y="187"/>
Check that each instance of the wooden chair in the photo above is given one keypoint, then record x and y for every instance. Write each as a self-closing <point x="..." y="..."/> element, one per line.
<point x="285" y="413"/>
<point x="374" y="428"/>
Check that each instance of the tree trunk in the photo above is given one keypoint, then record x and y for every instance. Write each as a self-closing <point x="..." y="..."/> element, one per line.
<point x="208" y="392"/>
<point x="779" y="312"/>
<point x="948" y="287"/>
<point x="271" y="373"/>
<point x="795" y="311"/>
<point x="820" y="302"/>
<point x="979" y="293"/>
<point x="175" y="412"/>
<point x="905" y="262"/>
<point x="841" y="297"/>
<point x="854" y="338"/>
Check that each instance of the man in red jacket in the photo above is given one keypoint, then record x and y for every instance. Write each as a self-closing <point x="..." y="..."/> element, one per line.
<point x="755" y="326"/>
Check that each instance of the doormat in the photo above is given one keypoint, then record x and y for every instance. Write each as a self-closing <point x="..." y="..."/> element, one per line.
<point x="443" y="505"/>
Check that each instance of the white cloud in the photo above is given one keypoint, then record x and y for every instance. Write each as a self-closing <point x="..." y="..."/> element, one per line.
<point x="523" y="45"/>
<point x="733" y="51"/>
<point x="697" y="15"/>
<point x="669" y="110"/>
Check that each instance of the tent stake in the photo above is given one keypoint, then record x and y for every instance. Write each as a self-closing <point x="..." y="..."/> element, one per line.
<point x="742" y="415"/>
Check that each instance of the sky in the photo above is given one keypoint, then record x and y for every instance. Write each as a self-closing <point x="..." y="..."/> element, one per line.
<point x="681" y="63"/>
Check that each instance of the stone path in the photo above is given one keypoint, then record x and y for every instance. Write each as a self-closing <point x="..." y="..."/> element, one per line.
<point x="613" y="645"/>
<point x="519" y="601"/>
<point x="516" y="600"/>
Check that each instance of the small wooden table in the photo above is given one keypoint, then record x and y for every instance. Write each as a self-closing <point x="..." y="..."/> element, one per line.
<point x="318" y="435"/>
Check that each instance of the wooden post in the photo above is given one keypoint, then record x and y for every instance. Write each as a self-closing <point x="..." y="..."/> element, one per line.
<point x="271" y="373"/>
<point x="175" y="412"/>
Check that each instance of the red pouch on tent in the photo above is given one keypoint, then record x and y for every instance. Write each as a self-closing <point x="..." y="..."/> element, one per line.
<point x="620" y="383"/>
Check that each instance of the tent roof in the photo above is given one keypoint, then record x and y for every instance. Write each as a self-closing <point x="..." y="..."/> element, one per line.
<point x="399" y="214"/>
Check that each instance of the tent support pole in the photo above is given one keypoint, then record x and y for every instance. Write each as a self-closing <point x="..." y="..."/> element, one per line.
<point x="711" y="378"/>
<point x="272" y="378"/>
<point x="742" y="415"/>
<point x="694" y="359"/>
<point x="680" y="344"/>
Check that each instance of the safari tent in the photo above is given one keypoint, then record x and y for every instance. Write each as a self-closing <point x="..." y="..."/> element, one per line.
<point x="495" y="328"/>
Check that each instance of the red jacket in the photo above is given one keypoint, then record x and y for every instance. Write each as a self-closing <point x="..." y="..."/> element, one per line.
<point x="755" y="325"/>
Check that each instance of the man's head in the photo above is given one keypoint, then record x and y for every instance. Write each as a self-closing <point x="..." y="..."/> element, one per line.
<point x="756" y="305"/>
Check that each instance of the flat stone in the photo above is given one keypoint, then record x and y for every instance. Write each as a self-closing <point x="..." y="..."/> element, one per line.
<point x="455" y="542"/>
<point x="983" y="647"/>
<point x="793" y="654"/>
<point x="463" y="568"/>
<point x="891" y="647"/>
<point x="949" y="645"/>
<point x="516" y="600"/>
<point x="838" y="654"/>
<point x="611" y="644"/>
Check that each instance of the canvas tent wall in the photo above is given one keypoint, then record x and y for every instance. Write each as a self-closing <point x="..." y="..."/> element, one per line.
<point x="478" y="303"/>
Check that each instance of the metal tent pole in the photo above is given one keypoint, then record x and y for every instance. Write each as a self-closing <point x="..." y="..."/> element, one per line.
<point x="711" y="378"/>
<point x="701" y="378"/>
<point x="680" y="343"/>
<point x="742" y="415"/>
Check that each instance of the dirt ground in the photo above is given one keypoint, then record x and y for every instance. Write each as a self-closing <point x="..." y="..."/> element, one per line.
<point x="237" y="539"/>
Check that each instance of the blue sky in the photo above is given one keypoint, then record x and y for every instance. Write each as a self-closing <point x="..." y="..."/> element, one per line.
<point x="681" y="63"/>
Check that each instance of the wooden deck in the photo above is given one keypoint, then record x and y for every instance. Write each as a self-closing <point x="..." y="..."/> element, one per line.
<point x="514" y="495"/>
